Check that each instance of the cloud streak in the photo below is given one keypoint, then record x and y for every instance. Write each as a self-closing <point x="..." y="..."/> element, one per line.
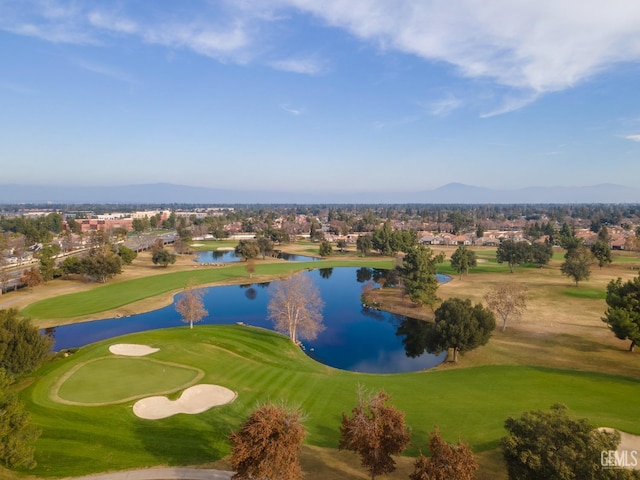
<point x="634" y="138"/>
<point x="541" y="45"/>
<point x="530" y="47"/>
<point x="105" y="71"/>
<point x="306" y="66"/>
<point x="289" y="109"/>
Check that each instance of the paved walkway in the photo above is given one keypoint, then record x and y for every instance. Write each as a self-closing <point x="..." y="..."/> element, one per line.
<point x="170" y="473"/>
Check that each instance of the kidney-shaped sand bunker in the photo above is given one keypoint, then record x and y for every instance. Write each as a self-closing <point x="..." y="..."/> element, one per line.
<point x="196" y="399"/>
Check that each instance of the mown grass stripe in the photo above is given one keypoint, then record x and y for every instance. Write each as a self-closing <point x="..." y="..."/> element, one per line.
<point x="470" y="403"/>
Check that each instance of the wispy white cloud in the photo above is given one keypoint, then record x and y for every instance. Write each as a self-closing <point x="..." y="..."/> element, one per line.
<point x="542" y="45"/>
<point x="444" y="106"/>
<point x="104" y="70"/>
<point x="512" y="102"/>
<point x="307" y="66"/>
<point x="379" y="125"/>
<point x="536" y="46"/>
<point x="531" y="47"/>
<point x="112" y="22"/>
<point x="635" y="138"/>
<point x="289" y="109"/>
<point x="16" y="88"/>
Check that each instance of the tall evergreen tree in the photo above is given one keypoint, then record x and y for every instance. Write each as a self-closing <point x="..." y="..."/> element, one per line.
<point x="623" y="312"/>
<point x="418" y="271"/>
<point x="17" y="434"/>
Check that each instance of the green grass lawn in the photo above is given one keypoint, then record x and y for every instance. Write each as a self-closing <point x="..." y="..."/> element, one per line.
<point x="114" y="295"/>
<point x="585" y="292"/>
<point x="129" y="378"/>
<point x="466" y="403"/>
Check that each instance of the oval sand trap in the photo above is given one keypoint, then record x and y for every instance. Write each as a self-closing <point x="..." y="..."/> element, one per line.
<point x="132" y="349"/>
<point x="196" y="399"/>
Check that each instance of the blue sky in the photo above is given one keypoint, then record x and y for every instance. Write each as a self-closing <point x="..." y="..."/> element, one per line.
<point x="308" y="95"/>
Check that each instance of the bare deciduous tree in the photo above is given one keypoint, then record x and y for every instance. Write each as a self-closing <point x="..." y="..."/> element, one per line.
<point x="507" y="299"/>
<point x="267" y="445"/>
<point x="375" y="431"/>
<point x="32" y="277"/>
<point x="295" y="307"/>
<point x="190" y="305"/>
<point x="446" y="461"/>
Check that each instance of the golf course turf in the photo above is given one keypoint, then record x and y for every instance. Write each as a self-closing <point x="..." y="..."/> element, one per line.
<point x="260" y="365"/>
<point x="561" y="352"/>
<point x="127" y="379"/>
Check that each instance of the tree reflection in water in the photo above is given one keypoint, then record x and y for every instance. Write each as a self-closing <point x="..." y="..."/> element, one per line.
<point x="416" y="336"/>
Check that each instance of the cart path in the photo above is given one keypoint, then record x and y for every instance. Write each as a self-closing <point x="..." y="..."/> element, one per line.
<point x="164" y="473"/>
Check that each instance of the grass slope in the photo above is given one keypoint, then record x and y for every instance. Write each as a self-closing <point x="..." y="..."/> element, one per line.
<point x="260" y="365"/>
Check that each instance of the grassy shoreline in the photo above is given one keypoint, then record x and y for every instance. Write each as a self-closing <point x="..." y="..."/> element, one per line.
<point x="151" y="292"/>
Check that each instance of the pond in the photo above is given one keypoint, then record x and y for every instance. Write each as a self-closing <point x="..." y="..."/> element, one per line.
<point x="356" y="338"/>
<point x="229" y="256"/>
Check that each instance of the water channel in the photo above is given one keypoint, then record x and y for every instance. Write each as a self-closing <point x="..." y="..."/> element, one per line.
<point x="356" y="338"/>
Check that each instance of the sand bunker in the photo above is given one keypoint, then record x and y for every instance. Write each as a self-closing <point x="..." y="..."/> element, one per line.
<point x="132" y="349"/>
<point x="196" y="399"/>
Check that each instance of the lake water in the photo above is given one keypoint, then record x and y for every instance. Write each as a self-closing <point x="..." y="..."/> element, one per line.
<point x="356" y="338"/>
<point x="229" y="256"/>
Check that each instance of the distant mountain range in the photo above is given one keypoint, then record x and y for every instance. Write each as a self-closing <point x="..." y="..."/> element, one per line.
<point x="166" y="193"/>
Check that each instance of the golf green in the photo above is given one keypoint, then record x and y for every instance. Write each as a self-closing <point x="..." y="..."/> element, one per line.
<point x="113" y="380"/>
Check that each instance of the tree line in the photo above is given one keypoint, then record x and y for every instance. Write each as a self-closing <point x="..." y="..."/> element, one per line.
<point x="538" y="445"/>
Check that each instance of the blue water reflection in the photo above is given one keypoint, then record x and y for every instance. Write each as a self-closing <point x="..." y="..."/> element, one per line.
<point x="356" y="338"/>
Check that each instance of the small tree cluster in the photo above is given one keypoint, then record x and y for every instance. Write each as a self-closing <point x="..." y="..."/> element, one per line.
<point x="325" y="249"/>
<point x="577" y="264"/>
<point x="364" y="244"/>
<point x="516" y="253"/>
<point x="463" y="259"/>
<point x="17" y="434"/>
<point x="459" y="326"/>
<point x="513" y="253"/>
<point x="22" y="347"/>
<point x="163" y="257"/>
<point x="101" y="264"/>
<point x="22" y="350"/>
<point x="247" y="249"/>
<point x="376" y="431"/>
<point x="446" y="462"/>
<point x="389" y="242"/>
<point x="267" y="444"/>
<point x="32" y="277"/>
<point x="543" y="445"/>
